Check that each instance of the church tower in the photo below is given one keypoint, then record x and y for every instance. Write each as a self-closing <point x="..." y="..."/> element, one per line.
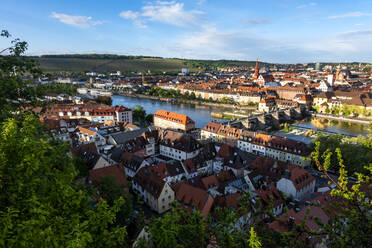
<point x="256" y="71"/>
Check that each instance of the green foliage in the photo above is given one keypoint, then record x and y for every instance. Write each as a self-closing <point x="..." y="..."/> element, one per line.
<point x="39" y="204"/>
<point x="357" y="152"/>
<point x="352" y="221"/>
<point x="112" y="192"/>
<point x="149" y="118"/>
<point x="57" y="88"/>
<point x="254" y="241"/>
<point x="104" y="99"/>
<point x="179" y="228"/>
<point x="80" y="166"/>
<point x="13" y="89"/>
<point x="139" y="114"/>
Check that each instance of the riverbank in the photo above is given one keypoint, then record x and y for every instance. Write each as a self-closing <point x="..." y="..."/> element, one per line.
<point x="230" y="115"/>
<point x="343" y="118"/>
<point x="186" y="101"/>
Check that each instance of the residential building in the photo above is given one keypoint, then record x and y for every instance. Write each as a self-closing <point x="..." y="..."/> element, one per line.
<point x="282" y="149"/>
<point x="165" y="119"/>
<point x="296" y="182"/>
<point x="123" y="114"/>
<point x="154" y="191"/>
<point x="178" y="146"/>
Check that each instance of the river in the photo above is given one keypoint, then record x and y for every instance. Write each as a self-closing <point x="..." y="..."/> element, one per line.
<point x="202" y="115"/>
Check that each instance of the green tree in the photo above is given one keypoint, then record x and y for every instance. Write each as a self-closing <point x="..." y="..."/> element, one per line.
<point x="352" y="222"/>
<point x="139" y="114"/>
<point x="357" y="152"/>
<point x="39" y="204"/>
<point x="179" y="228"/>
<point x="254" y="241"/>
<point x="149" y="118"/>
<point x="14" y="91"/>
<point x="112" y="192"/>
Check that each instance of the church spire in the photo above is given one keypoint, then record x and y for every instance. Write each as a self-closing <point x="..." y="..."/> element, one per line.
<point x="256" y="70"/>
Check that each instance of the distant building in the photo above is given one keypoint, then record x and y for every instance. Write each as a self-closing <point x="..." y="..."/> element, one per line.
<point x="123" y="114"/>
<point x="256" y="71"/>
<point x="165" y="119"/>
<point x="185" y="71"/>
<point x="330" y="79"/>
<point x="267" y="105"/>
<point x="317" y="66"/>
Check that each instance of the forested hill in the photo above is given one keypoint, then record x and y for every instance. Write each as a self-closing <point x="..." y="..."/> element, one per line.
<point x="123" y="63"/>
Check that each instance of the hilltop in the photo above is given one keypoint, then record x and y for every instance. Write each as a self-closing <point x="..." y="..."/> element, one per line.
<point x="109" y="62"/>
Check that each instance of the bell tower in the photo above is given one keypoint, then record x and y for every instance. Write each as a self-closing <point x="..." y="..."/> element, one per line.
<point x="256" y="71"/>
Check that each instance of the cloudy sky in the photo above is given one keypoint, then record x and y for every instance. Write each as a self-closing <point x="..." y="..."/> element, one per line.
<point x="284" y="31"/>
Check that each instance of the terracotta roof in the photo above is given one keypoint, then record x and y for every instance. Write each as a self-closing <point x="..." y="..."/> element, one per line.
<point x="210" y="181"/>
<point x="179" y="141"/>
<point x="212" y="127"/>
<point x="86" y="131"/>
<point x="229" y="201"/>
<point x="150" y="181"/>
<point x="78" y="150"/>
<point x="175" y="117"/>
<point x="193" y="198"/>
<point x="300" y="177"/>
<point x="189" y="165"/>
<point x="116" y="171"/>
<point x="286" y="222"/>
<point x="225" y="151"/>
<point x="121" y="108"/>
<point x="269" y="192"/>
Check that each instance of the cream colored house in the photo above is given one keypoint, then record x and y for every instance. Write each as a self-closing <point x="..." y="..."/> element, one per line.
<point x="154" y="191"/>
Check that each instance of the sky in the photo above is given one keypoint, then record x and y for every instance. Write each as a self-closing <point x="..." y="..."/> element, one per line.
<point x="276" y="31"/>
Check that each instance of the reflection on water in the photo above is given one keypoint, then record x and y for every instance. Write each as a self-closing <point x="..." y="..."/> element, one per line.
<point x="201" y="114"/>
<point x="335" y="126"/>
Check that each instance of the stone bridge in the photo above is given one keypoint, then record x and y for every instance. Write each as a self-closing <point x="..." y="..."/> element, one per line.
<point x="269" y="120"/>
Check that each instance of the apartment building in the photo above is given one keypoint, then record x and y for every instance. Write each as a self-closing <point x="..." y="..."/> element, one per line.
<point x="178" y="146"/>
<point x="165" y="119"/>
<point x="279" y="148"/>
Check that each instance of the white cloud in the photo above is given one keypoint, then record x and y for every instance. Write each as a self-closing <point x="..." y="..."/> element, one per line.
<point x="76" y="21"/>
<point x="354" y="33"/>
<point x="349" y="15"/>
<point x="172" y="13"/>
<point x="129" y="15"/>
<point x="311" y="4"/>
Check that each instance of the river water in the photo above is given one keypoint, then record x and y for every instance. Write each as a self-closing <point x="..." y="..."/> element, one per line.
<point x="202" y="115"/>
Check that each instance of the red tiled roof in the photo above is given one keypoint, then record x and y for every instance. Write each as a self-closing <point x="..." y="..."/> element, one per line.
<point x="175" y="117"/>
<point x="300" y="177"/>
<point x="210" y="181"/>
<point x="194" y="198"/>
<point x="117" y="171"/>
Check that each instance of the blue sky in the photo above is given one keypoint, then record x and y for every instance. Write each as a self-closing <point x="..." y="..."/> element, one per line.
<point x="283" y="31"/>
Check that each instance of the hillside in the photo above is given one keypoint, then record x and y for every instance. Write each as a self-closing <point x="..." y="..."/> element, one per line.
<point x="108" y="63"/>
